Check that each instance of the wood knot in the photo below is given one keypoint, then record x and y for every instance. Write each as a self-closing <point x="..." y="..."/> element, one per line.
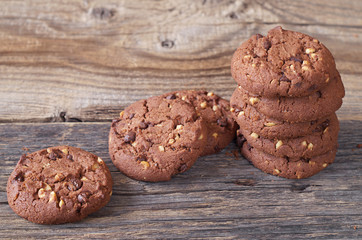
<point x="167" y="43"/>
<point x="103" y="13"/>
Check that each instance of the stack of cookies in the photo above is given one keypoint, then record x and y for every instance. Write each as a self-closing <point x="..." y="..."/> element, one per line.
<point x="289" y="89"/>
<point x="156" y="138"/>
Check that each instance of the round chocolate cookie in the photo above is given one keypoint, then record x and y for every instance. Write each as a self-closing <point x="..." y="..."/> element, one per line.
<point x="307" y="146"/>
<point x="215" y="111"/>
<point x="283" y="63"/>
<point x="250" y="119"/>
<point x="318" y="105"/>
<point x="59" y="185"/>
<point x="157" y="138"/>
<point x="293" y="168"/>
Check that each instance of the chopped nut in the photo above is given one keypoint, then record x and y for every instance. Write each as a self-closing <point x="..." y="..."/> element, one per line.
<point x="247" y="57"/>
<point x="292" y="67"/>
<point x="65" y="151"/>
<point x="210" y="94"/>
<point x="232" y="109"/>
<point x="277" y="171"/>
<point x="52" y="197"/>
<point x="179" y="127"/>
<point x="327" y="80"/>
<point x="183" y="98"/>
<point x="305" y="62"/>
<point x="215" y="135"/>
<point x="311" y="163"/>
<point x="121" y="114"/>
<point x="310" y="146"/>
<point x="201" y="136"/>
<point x="145" y="164"/>
<point x="241" y="113"/>
<point x="61" y="203"/>
<point x="304" y="143"/>
<point x="325" y="165"/>
<point x="325" y="130"/>
<point x="279" y="144"/>
<point x="203" y="105"/>
<point x="161" y="148"/>
<point x="214" y="108"/>
<point x="134" y="144"/>
<point x="177" y="136"/>
<point x="110" y="194"/>
<point x="47" y="187"/>
<point x="253" y="65"/>
<point x="83" y="179"/>
<point x="41" y="193"/>
<point x="58" y="177"/>
<point x="305" y="68"/>
<point x="254" y="135"/>
<point x="298" y="176"/>
<point x="254" y="100"/>
<point x="171" y="141"/>
<point x="309" y="50"/>
<point x="313" y="55"/>
<point x="266" y="162"/>
<point x="270" y="124"/>
<point x="99" y="160"/>
<point x="315" y="40"/>
<point x="299" y="164"/>
<point x="49" y="150"/>
<point x="95" y="166"/>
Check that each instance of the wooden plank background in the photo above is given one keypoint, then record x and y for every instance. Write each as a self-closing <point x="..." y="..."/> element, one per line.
<point x="84" y="61"/>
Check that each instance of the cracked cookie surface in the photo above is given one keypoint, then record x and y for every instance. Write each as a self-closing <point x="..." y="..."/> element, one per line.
<point x="157" y="138"/>
<point x="59" y="185"/>
<point x="295" y="109"/>
<point x="283" y="63"/>
<point x="215" y="111"/>
<point x="321" y="141"/>
<point x="292" y="168"/>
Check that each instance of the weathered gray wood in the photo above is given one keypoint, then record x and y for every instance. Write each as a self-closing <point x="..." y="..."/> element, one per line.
<point x="87" y="60"/>
<point x="221" y="196"/>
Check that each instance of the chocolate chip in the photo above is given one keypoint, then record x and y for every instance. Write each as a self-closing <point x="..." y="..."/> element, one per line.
<point x="237" y="110"/>
<point x="258" y="36"/>
<point x="312" y="122"/>
<point x="325" y="124"/>
<point x="284" y="78"/>
<point x="171" y="96"/>
<point x="182" y="168"/>
<point x="249" y="146"/>
<point x="240" y="140"/>
<point x="319" y="94"/>
<point x="267" y="44"/>
<point x="131" y="116"/>
<point x="19" y="177"/>
<point x="76" y="184"/>
<point x="53" y="156"/>
<point x="142" y="158"/>
<point x="70" y="157"/>
<point x="114" y="121"/>
<point x="130" y="137"/>
<point x="222" y="122"/>
<point x="296" y="59"/>
<point x="143" y="125"/>
<point x="82" y="197"/>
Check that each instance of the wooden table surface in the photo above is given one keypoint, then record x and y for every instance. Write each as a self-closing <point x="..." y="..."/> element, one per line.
<point x="68" y="67"/>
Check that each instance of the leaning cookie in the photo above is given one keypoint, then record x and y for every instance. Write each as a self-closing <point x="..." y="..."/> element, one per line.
<point x="157" y="138"/>
<point x="283" y="63"/>
<point x="59" y="185"/>
<point x="215" y="111"/>
<point x="308" y="146"/>
<point x="293" y="168"/>
<point x="318" y="105"/>
<point x="248" y="118"/>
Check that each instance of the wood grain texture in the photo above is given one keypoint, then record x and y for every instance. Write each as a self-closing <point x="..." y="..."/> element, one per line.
<point x="87" y="60"/>
<point x="220" y="197"/>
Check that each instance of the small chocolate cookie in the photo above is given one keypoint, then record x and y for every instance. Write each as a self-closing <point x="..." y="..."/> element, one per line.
<point x="157" y="138"/>
<point x="307" y="146"/>
<point x="250" y="119"/>
<point x="215" y="111"/>
<point x="293" y="168"/>
<point x="59" y="185"/>
<point x="318" y="105"/>
<point x="283" y="63"/>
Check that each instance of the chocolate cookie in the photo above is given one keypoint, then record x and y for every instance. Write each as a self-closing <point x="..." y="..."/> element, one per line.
<point x="59" y="185"/>
<point x="250" y="119"/>
<point x="283" y="63"/>
<point x="215" y="111"/>
<point x="322" y="141"/>
<point x="318" y="105"/>
<point x="157" y="138"/>
<point x="287" y="167"/>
